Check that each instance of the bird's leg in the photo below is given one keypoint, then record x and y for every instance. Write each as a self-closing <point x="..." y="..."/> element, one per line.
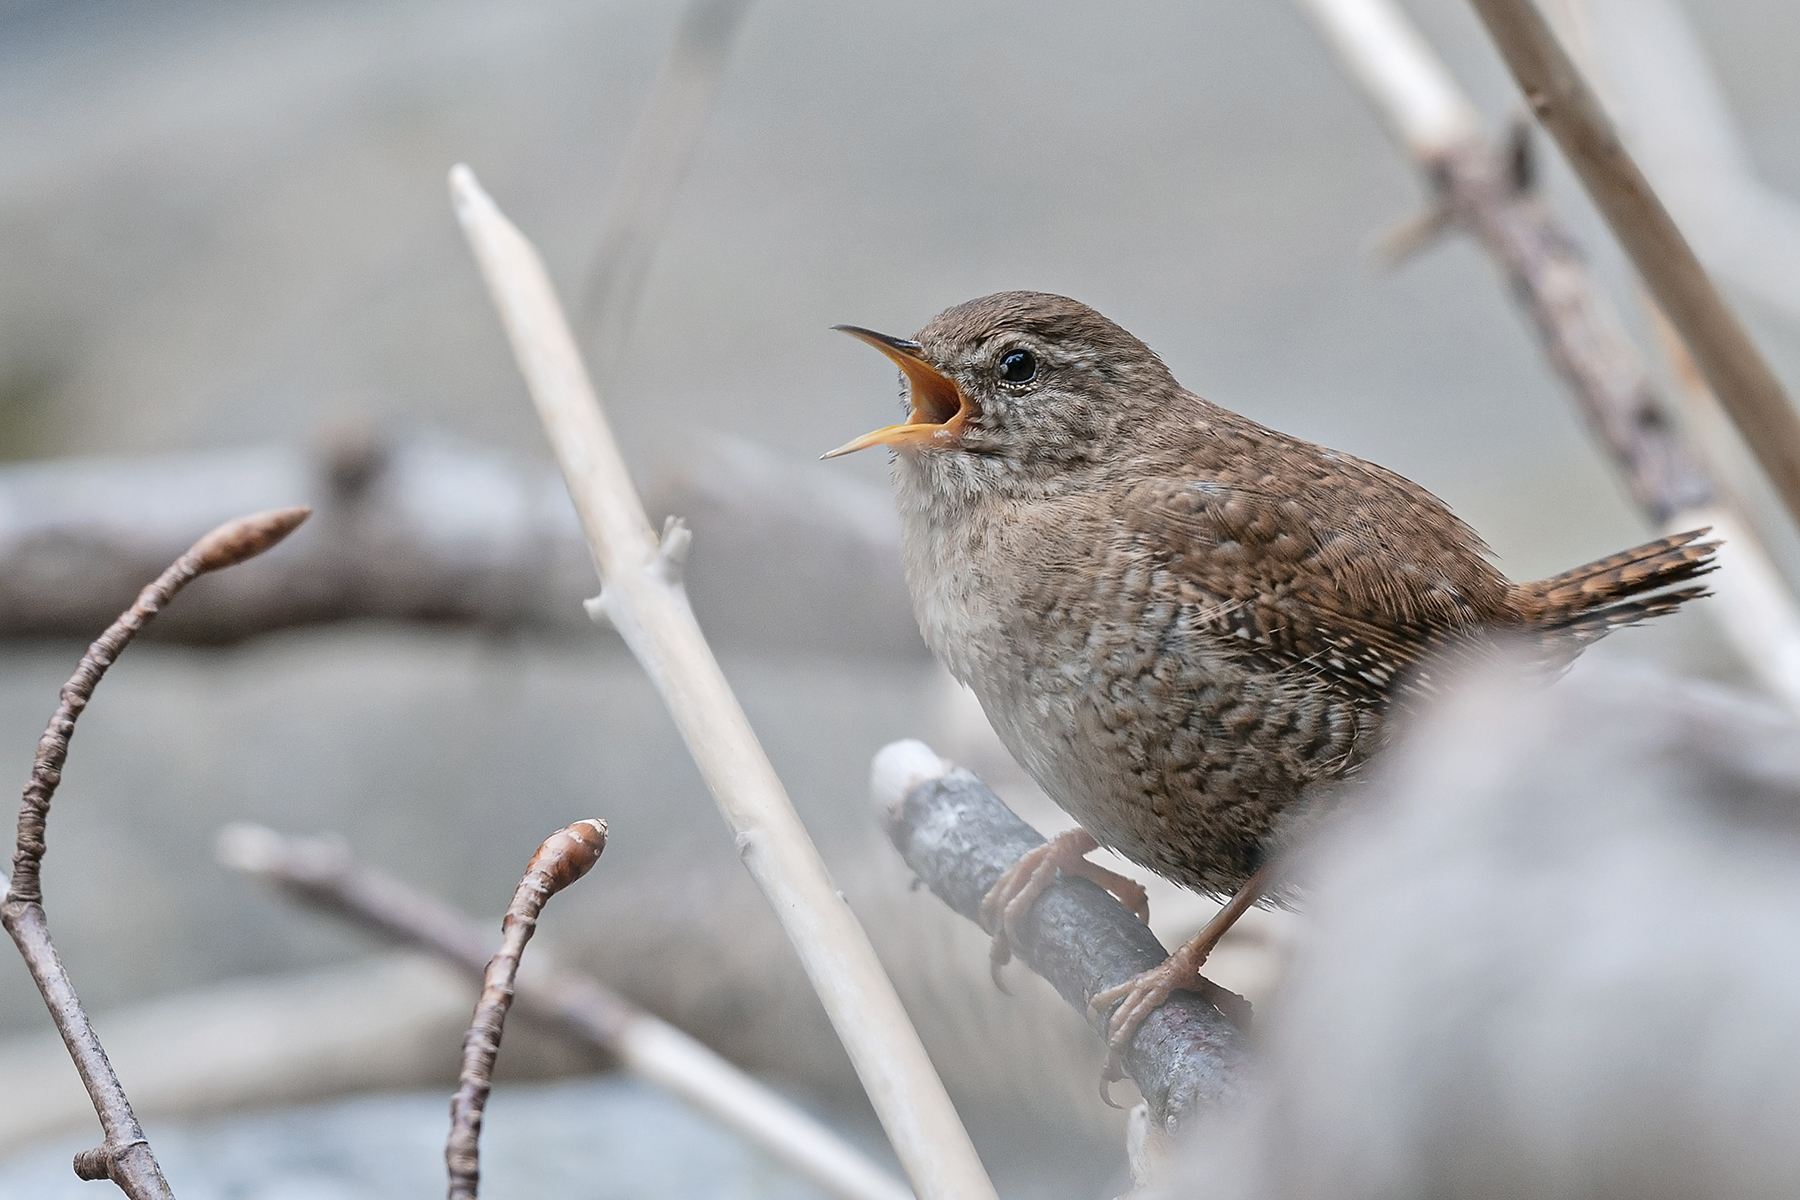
<point x="1143" y="994"/>
<point x="1021" y="884"/>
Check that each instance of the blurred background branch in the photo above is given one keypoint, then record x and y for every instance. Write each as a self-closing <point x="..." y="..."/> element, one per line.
<point x="320" y="873"/>
<point x="662" y="145"/>
<point x="418" y="528"/>
<point x="1730" y="361"/>
<point x="1492" y="192"/>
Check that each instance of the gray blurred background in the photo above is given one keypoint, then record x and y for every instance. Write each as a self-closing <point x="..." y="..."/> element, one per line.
<point x="226" y="224"/>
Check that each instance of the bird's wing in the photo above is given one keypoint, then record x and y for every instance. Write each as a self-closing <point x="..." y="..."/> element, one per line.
<point x="1347" y="573"/>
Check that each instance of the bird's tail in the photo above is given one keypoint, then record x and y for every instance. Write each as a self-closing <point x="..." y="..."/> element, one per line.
<point x="1584" y="605"/>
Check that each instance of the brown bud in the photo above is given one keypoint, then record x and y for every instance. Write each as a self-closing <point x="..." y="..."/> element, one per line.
<point x="246" y="537"/>
<point x="569" y="853"/>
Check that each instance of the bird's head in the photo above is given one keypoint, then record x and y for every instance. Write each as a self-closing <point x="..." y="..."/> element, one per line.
<point x="1017" y="386"/>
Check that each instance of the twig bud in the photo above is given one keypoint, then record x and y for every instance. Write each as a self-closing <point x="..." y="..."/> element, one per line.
<point x="568" y="854"/>
<point x="245" y="537"/>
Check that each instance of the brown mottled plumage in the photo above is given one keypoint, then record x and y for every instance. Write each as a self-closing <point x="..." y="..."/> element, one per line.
<point x="1180" y="622"/>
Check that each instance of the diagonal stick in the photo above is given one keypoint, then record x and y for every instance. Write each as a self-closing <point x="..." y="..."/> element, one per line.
<point x="1729" y="360"/>
<point x="642" y="596"/>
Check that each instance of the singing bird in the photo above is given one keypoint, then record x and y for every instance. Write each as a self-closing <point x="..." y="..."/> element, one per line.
<point x="1185" y="626"/>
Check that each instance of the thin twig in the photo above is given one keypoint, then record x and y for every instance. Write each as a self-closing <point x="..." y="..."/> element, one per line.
<point x="1487" y="190"/>
<point x="125" y="1156"/>
<point x="662" y="144"/>
<point x="321" y="873"/>
<point x="1729" y="360"/>
<point x="642" y="596"/>
<point x="958" y="837"/>
<point x="565" y="857"/>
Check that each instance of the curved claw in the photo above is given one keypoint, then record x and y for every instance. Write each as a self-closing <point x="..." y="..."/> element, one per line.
<point x="1111" y="1073"/>
<point x="999" y="954"/>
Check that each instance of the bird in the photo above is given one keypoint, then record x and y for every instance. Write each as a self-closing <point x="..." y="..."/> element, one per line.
<point x="1189" y="629"/>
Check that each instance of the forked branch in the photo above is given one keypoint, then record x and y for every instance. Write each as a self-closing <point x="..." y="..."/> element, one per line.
<point x="124" y="1156"/>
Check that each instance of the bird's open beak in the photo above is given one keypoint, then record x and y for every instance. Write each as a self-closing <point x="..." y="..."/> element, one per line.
<point x="939" y="407"/>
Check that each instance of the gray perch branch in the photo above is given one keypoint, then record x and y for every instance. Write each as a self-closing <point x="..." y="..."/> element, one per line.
<point x="958" y="837"/>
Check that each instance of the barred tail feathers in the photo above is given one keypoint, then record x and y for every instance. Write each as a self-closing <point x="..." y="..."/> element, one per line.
<point x="1587" y="603"/>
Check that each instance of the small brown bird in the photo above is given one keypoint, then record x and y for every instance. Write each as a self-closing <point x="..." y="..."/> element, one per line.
<point x="1186" y="626"/>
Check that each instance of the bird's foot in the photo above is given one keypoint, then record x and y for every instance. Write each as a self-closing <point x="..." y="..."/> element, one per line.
<point x="1133" y="1001"/>
<point x="1021" y="884"/>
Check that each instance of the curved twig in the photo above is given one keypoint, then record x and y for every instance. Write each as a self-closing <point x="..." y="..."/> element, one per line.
<point x="125" y="1156"/>
<point x="565" y="856"/>
<point x="320" y="872"/>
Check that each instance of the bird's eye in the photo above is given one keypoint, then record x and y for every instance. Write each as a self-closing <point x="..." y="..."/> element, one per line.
<point x="1018" y="366"/>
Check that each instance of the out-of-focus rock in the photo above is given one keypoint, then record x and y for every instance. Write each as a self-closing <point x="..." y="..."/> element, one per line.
<point x="1557" y="954"/>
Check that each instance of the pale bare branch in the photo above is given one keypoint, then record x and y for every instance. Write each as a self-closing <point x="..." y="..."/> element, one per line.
<point x="643" y="598"/>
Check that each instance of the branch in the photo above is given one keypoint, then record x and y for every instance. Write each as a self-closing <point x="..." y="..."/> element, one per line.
<point x="642" y="596"/>
<point x="565" y="857"/>
<point x="662" y="144"/>
<point x="1727" y="358"/>
<point x="320" y="873"/>
<point x="958" y="837"/>
<point x="1487" y="191"/>
<point x="415" y="527"/>
<point x="1674" y="114"/>
<point x="125" y="1156"/>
